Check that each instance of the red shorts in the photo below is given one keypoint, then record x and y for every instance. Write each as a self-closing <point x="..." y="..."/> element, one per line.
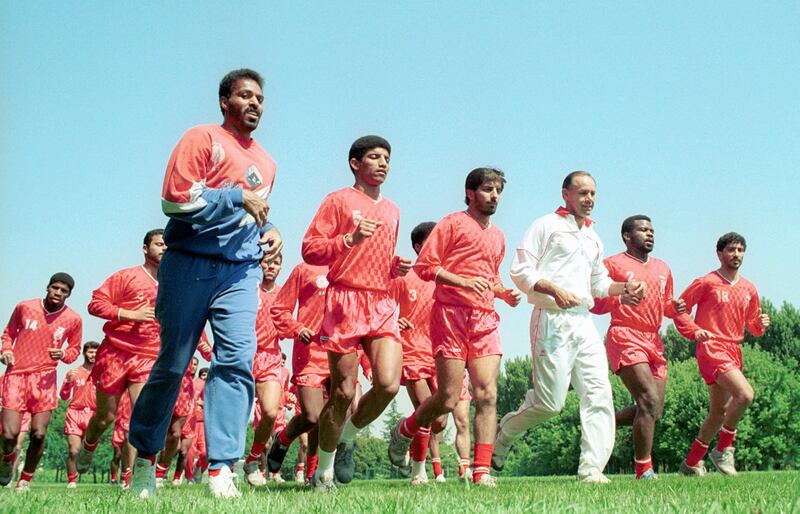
<point x="354" y="314"/>
<point x="429" y="375"/>
<point x="120" y="434"/>
<point x="627" y="346"/>
<point x="464" y="333"/>
<point x="30" y="392"/>
<point x="200" y="437"/>
<point x="267" y="366"/>
<point x="418" y="371"/>
<point x="189" y="427"/>
<point x="115" y="368"/>
<point x="77" y="420"/>
<point x="716" y="358"/>
<point x="309" y="365"/>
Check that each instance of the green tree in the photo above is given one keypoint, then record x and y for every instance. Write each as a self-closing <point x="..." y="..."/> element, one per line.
<point x="390" y="418"/>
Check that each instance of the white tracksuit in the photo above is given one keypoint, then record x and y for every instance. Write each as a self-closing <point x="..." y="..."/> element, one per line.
<point x="565" y="344"/>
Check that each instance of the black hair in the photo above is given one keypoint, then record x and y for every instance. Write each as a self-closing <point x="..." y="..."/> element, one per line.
<point x="88" y="345"/>
<point x="630" y="221"/>
<point x="568" y="179"/>
<point x="421" y="232"/>
<point x="478" y="176"/>
<point x="148" y="238"/>
<point x="730" y="237"/>
<point x="363" y="144"/>
<point x="202" y="370"/>
<point x="227" y="82"/>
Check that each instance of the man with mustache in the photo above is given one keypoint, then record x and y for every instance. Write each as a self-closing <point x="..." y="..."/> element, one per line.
<point x="726" y="304"/>
<point x="559" y="265"/>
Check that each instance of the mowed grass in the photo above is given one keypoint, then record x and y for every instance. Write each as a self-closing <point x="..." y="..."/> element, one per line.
<point x="749" y="492"/>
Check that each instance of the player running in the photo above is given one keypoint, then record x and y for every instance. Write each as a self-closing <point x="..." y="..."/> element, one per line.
<point x="727" y="303"/>
<point x="559" y="265"/>
<point x="305" y="288"/>
<point x="184" y="408"/>
<point x="355" y="233"/>
<point x="79" y="386"/>
<point x="129" y="349"/>
<point x="633" y="345"/>
<point x="463" y="255"/>
<point x="40" y="333"/>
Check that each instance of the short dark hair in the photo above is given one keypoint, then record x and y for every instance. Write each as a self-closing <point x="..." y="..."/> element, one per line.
<point x="478" y="176"/>
<point x="421" y="232"/>
<point x="88" y="345"/>
<point x="283" y="355"/>
<point x="730" y="237"/>
<point x="194" y="358"/>
<point x="363" y="144"/>
<point x="227" y="82"/>
<point x="148" y="238"/>
<point x="568" y="179"/>
<point x="203" y="370"/>
<point x="630" y="221"/>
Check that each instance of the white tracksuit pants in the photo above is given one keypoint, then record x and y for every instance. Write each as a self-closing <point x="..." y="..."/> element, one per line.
<point x="566" y="347"/>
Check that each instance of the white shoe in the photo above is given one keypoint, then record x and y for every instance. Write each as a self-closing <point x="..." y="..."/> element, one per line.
<point x="72" y="485"/>
<point x="420" y="479"/>
<point x="501" y="447"/>
<point x="143" y="480"/>
<point x="277" y="478"/>
<point x="159" y="483"/>
<point x="467" y="476"/>
<point x="592" y="477"/>
<point x="23" y="486"/>
<point x="177" y="482"/>
<point x="487" y="480"/>
<point x="323" y="483"/>
<point x="724" y="460"/>
<point x="441" y="479"/>
<point x="300" y="477"/>
<point x="222" y="485"/>
<point x="252" y="474"/>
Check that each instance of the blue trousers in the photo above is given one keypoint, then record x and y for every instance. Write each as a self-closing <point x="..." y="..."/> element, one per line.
<point x="193" y="289"/>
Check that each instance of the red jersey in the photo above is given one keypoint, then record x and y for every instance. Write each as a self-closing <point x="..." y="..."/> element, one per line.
<point x="186" y="395"/>
<point x="461" y="245"/>
<point x="199" y="396"/>
<point x="305" y="288"/>
<point x="658" y="302"/>
<point x="129" y="289"/>
<point x="367" y="265"/>
<point x="81" y="388"/>
<point x="266" y="334"/>
<point x="723" y="308"/>
<point x="32" y="331"/>
<point x="415" y="297"/>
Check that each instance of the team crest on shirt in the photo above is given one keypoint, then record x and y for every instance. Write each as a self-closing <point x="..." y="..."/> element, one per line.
<point x="58" y="334"/>
<point x="357" y="217"/>
<point x="321" y="282"/>
<point x="254" y="178"/>
<point x="217" y="153"/>
<point x="663" y="281"/>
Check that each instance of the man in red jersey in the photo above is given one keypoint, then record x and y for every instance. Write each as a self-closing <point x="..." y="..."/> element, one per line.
<point x="355" y="233"/>
<point x="266" y="370"/>
<point x="184" y="408"/>
<point x="33" y="343"/>
<point x="200" y="427"/>
<point x="463" y="255"/>
<point x="305" y="288"/>
<point x="130" y="347"/>
<point x="726" y="304"/>
<point x="78" y="385"/>
<point x="634" y="348"/>
<point x="122" y="457"/>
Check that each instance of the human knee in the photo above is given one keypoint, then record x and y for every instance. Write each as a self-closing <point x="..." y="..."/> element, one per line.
<point x="485" y="395"/>
<point x="744" y="396"/>
<point x="38" y="434"/>
<point x="345" y="391"/>
<point x="647" y="404"/>
<point x="439" y="424"/>
<point x="448" y="401"/>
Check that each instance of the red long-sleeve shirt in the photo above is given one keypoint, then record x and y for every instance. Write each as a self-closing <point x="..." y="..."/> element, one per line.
<point x="80" y="388"/>
<point x="415" y="298"/>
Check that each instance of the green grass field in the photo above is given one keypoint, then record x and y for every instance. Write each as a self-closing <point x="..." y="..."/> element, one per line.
<point x="750" y="492"/>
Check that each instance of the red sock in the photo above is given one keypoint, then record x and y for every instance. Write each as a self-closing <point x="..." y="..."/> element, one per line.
<point x="202" y="462"/>
<point x="642" y="465"/>
<point x="419" y="444"/>
<point x="437" y="466"/>
<point x="482" y="457"/>
<point x="90" y="447"/>
<point x="26" y="476"/>
<point x="255" y="451"/>
<point x="214" y="472"/>
<point x="113" y="477"/>
<point x="300" y="467"/>
<point x="726" y="437"/>
<point x="312" y="461"/>
<point x="409" y="426"/>
<point x="160" y="471"/>
<point x="10" y="457"/>
<point x="284" y="440"/>
<point x="178" y="474"/>
<point x="697" y="452"/>
<point x="151" y="458"/>
<point x="72" y="477"/>
<point x="463" y="465"/>
<point x="189" y="472"/>
<point x="126" y="476"/>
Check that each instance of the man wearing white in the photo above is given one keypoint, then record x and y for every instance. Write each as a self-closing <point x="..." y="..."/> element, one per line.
<point x="559" y="265"/>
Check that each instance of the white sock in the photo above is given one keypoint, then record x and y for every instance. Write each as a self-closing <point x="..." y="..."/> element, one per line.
<point x="418" y="468"/>
<point x="349" y="431"/>
<point x="325" y="463"/>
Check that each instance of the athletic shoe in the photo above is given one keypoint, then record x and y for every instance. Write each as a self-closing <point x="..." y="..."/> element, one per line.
<point x="253" y="475"/>
<point x="23" y="486"/>
<point x="487" y="480"/>
<point x="177" y="482"/>
<point x="323" y="484"/>
<point x="593" y="477"/>
<point x="398" y="446"/>
<point x="198" y="474"/>
<point x="300" y="477"/>
<point x="143" y="479"/>
<point x="276" y="455"/>
<point x="344" y="465"/>
<point x="420" y="479"/>
<point x="222" y="485"/>
<point x="277" y="478"/>
<point x="501" y="447"/>
<point x="648" y="475"/>
<point x="692" y="471"/>
<point x="159" y="483"/>
<point x="467" y="476"/>
<point x="724" y="461"/>
<point x="441" y="479"/>
<point x="72" y="485"/>
<point x="6" y="471"/>
<point x="84" y="460"/>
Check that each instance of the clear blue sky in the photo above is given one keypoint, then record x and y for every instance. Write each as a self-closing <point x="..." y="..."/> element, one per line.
<point x="685" y="111"/>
